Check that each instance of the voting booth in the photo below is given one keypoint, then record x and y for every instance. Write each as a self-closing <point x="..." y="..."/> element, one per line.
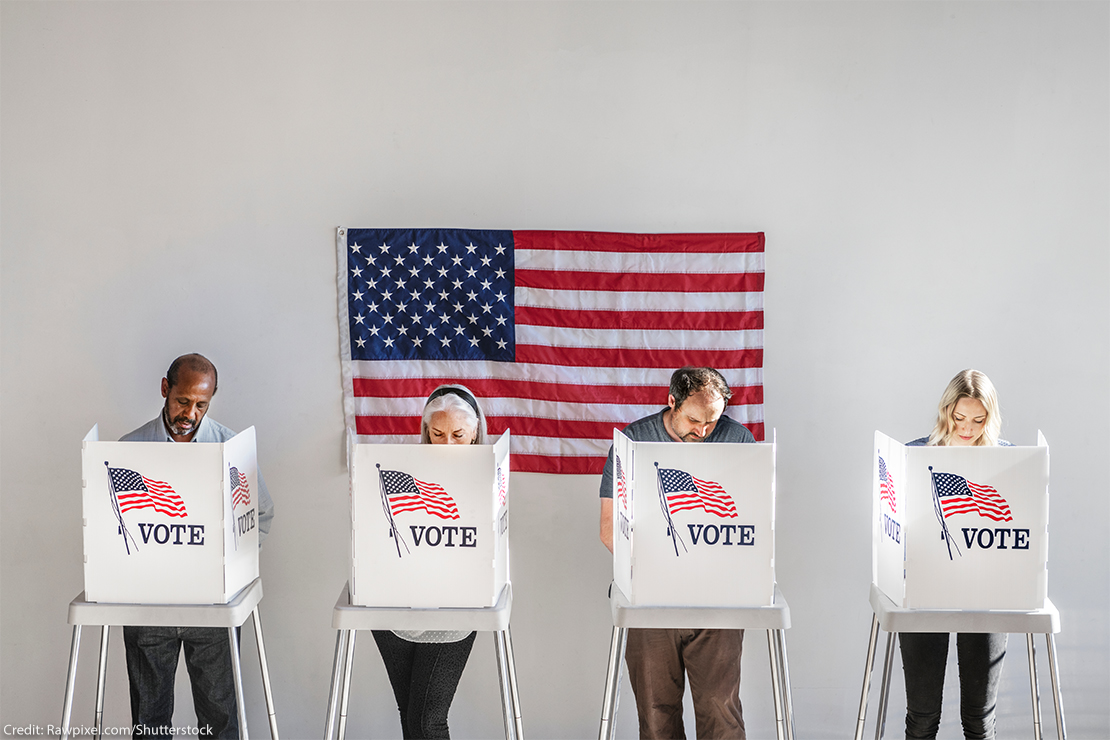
<point x="694" y="524"/>
<point x="960" y="527"/>
<point x="430" y="524"/>
<point x="169" y="523"/>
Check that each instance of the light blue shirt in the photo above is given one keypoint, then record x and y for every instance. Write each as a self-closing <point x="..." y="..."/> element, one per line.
<point x="208" y="431"/>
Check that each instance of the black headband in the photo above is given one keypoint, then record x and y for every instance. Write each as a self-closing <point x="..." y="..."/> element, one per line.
<point x="443" y="391"/>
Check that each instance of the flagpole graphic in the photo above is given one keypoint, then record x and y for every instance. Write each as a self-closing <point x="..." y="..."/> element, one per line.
<point x="944" y="533"/>
<point x="119" y="514"/>
<point x="393" y="531"/>
<point x="676" y="539"/>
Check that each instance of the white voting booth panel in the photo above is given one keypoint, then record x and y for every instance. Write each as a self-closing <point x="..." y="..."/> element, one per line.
<point x="694" y="524"/>
<point x="163" y="522"/>
<point x="960" y="527"/>
<point x="430" y="524"/>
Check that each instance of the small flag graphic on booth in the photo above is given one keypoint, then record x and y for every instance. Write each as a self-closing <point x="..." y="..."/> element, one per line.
<point x="406" y="493"/>
<point x="135" y="491"/>
<point x="958" y="495"/>
<point x="502" y="487"/>
<point x="622" y="484"/>
<point x="240" y="489"/>
<point x="886" y="486"/>
<point x="685" y="492"/>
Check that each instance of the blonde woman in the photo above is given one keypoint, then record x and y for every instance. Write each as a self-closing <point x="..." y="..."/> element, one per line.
<point x="968" y="416"/>
<point x="424" y="667"/>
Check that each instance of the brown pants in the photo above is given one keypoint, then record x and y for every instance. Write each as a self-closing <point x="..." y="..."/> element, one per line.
<point x="658" y="661"/>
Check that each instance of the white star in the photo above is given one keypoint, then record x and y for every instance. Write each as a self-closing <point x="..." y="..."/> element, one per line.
<point x="384" y="247"/>
<point x="357" y="295"/>
<point x="400" y="284"/>
<point x="417" y="341"/>
<point x="501" y="344"/>
<point x="385" y="272"/>
<point x="485" y="284"/>
<point x="486" y="308"/>
<point x="415" y="319"/>
<point x="414" y="272"/>
<point x="399" y="260"/>
<point x="456" y="260"/>
<point x="500" y="249"/>
<point x="500" y="320"/>
<point x="487" y="331"/>
<point x="429" y="284"/>
<point x="500" y="296"/>
<point x="486" y="261"/>
<point x="471" y="272"/>
<point x="413" y="248"/>
<point x="386" y="295"/>
<point x="359" y="319"/>
<point x="388" y="319"/>
<point x="361" y="342"/>
<point x="500" y="273"/>
<point x="355" y="247"/>
<point x="445" y="341"/>
<point x="371" y="261"/>
<point x="428" y="260"/>
<point x="457" y="285"/>
<point x="470" y="248"/>
<point x="472" y="295"/>
<point x="443" y="295"/>
<point x="431" y="307"/>
<point x="430" y="329"/>
<point x="371" y="283"/>
<point x="400" y="307"/>
<point x="442" y="247"/>
<point x="443" y="272"/>
<point x="373" y="331"/>
<point x="403" y="330"/>
<point x="457" y="307"/>
<point x="373" y="308"/>
<point x="415" y="294"/>
<point x="388" y="342"/>
<point x="474" y="341"/>
<point x="458" y="329"/>
<point x="472" y="319"/>
<point x="443" y="317"/>
<point x="357" y="272"/>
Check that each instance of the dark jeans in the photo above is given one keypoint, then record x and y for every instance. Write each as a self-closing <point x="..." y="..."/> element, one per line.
<point x="659" y="661"/>
<point x="924" y="656"/>
<point x="152" y="654"/>
<point x="424" y="676"/>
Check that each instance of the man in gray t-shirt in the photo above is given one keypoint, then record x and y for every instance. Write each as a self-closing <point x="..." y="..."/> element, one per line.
<point x="660" y="659"/>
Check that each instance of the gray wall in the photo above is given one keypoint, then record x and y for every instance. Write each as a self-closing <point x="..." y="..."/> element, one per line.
<point x="932" y="179"/>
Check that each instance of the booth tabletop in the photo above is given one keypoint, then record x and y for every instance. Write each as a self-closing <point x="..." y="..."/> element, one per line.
<point x="773" y="617"/>
<point x="231" y="614"/>
<point x="893" y="618"/>
<point x="481" y="619"/>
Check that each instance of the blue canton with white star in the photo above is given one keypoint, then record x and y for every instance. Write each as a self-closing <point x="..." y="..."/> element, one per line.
<point x="430" y="294"/>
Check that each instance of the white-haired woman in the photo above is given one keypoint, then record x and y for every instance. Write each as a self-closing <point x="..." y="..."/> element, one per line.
<point x="424" y="667"/>
<point x="967" y="416"/>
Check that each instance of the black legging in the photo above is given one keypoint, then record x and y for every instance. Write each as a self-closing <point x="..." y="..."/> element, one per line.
<point x="424" y="676"/>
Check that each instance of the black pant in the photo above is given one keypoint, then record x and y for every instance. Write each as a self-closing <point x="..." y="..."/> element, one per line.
<point x="424" y="676"/>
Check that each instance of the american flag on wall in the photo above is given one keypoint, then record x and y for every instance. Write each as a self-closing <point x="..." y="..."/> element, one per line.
<point x="562" y="336"/>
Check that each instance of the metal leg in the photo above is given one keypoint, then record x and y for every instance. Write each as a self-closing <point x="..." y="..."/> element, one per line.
<point x="612" y="684"/>
<point x="336" y="673"/>
<point x="776" y="684"/>
<point x="348" y="666"/>
<point x="237" y="671"/>
<point x="265" y="674"/>
<point x="100" y="676"/>
<point x="862" y="718"/>
<point x="1034" y="686"/>
<point x="1057" y="700"/>
<point x="884" y="693"/>
<point x="784" y="671"/>
<point x="518" y="723"/>
<point x="71" y="679"/>
<point x="503" y="683"/>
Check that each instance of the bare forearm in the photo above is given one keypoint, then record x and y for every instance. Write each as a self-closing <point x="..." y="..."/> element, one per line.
<point x="607" y="523"/>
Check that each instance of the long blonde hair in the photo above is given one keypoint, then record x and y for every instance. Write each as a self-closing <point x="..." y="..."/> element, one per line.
<point x="967" y="384"/>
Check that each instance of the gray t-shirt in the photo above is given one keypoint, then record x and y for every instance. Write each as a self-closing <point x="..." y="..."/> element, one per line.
<point x="651" y="429"/>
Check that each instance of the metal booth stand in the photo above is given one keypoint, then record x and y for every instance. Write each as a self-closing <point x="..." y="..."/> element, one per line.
<point x="775" y="619"/>
<point x="230" y="615"/>
<point x="349" y="619"/>
<point x="895" y="619"/>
